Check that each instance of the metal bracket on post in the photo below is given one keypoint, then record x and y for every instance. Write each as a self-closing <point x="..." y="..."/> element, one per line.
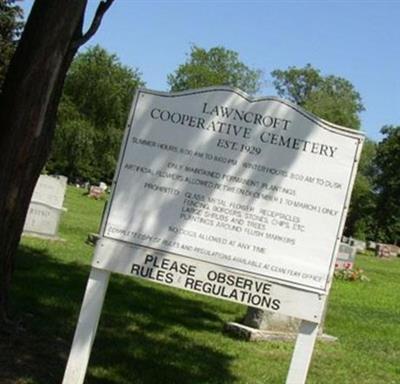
<point x="302" y="353"/>
<point x="87" y="326"/>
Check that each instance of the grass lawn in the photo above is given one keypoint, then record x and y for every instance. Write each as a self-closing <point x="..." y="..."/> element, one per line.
<point x="154" y="334"/>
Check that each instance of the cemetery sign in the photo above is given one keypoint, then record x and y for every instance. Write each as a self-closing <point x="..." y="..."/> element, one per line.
<point x="230" y="196"/>
<point x="256" y="186"/>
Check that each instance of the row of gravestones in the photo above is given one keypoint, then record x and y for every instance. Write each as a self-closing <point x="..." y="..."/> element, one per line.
<point x="381" y="249"/>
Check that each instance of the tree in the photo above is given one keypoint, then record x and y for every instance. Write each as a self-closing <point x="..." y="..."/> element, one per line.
<point x="10" y="30"/>
<point x="360" y="221"/>
<point x="329" y="97"/>
<point x="97" y="95"/>
<point x="28" y="106"/>
<point x="334" y="99"/>
<point x="217" y="66"/>
<point x="388" y="186"/>
<point x="296" y="84"/>
<point x="72" y="152"/>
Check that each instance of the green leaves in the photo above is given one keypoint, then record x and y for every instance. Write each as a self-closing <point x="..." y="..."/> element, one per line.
<point x="329" y="97"/>
<point x="11" y="26"/>
<point x="217" y="66"/>
<point x="296" y="84"/>
<point x="388" y="185"/>
<point x="92" y="116"/>
<point x="334" y="99"/>
<point x="101" y="87"/>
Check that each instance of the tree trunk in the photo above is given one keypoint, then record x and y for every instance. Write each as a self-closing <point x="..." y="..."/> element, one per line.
<point x="28" y="107"/>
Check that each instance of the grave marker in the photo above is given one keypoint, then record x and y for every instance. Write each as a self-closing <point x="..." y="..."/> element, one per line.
<point x="215" y="192"/>
<point x="46" y="206"/>
<point x="346" y="257"/>
<point x="96" y="192"/>
<point x="359" y="245"/>
<point x="387" y="250"/>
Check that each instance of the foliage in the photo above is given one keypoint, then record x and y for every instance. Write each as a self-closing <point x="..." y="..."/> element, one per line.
<point x="388" y="186"/>
<point x="217" y="66"/>
<point x="92" y="116"/>
<point x="11" y="26"/>
<point x="335" y="99"/>
<point x="296" y="84"/>
<point x="329" y="97"/>
<point x="349" y="274"/>
<point x="73" y="152"/>
<point x="150" y="333"/>
<point x="360" y="221"/>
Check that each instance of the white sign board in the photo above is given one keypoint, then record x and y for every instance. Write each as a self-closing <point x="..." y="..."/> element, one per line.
<point x="221" y="194"/>
<point x="208" y="279"/>
<point x="256" y="186"/>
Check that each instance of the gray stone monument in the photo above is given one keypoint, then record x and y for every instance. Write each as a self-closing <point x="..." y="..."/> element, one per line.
<point x="46" y="207"/>
<point x="259" y="325"/>
<point x="359" y="245"/>
<point x="387" y="250"/>
<point x="345" y="257"/>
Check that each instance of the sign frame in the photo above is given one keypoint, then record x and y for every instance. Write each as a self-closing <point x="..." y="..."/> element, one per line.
<point x="103" y="263"/>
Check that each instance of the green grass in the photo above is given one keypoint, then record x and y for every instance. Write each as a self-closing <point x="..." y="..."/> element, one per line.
<point x="154" y="334"/>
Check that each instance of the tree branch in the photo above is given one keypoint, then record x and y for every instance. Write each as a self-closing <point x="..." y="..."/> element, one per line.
<point x="101" y="10"/>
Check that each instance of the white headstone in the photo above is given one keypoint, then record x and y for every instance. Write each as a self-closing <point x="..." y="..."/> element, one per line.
<point x="103" y="186"/>
<point x="46" y="206"/>
<point x="50" y="190"/>
<point x="359" y="245"/>
<point x="345" y="257"/>
<point x="42" y="219"/>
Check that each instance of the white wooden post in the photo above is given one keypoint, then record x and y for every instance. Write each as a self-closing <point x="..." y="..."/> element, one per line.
<point x="86" y="328"/>
<point x="302" y="353"/>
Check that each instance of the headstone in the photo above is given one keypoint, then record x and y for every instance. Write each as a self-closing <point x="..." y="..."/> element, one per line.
<point x="260" y="325"/>
<point x="103" y="186"/>
<point x="96" y="192"/>
<point x="345" y="257"/>
<point x="50" y="190"/>
<point x="359" y="245"/>
<point x="46" y="206"/>
<point x="273" y="322"/>
<point x="387" y="250"/>
<point x="42" y="220"/>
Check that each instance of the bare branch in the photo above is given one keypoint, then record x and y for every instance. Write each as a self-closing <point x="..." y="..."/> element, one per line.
<point x="101" y="10"/>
